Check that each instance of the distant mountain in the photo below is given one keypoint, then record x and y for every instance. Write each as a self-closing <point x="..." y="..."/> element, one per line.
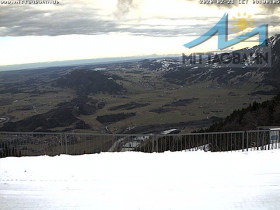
<point x="68" y="63"/>
<point x="230" y="74"/>
<point x="273" y="76"/>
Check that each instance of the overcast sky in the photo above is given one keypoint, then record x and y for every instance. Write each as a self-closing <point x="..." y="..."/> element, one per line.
<point x="114" y="28"/>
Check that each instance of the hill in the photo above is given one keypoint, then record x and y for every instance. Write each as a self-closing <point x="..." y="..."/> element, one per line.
<point x="60" y="117"/>
<point x="257" y="114"/>
<point x="88" y="81"/>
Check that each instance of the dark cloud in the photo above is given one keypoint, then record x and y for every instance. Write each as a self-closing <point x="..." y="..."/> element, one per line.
<point x="28" y="21"/>
<point x="270" y="8"/>
<point x="80" y="19"/>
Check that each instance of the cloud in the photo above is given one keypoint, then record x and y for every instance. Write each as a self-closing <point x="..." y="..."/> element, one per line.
<point x="269" y="8"/>
<point x="225" y="5"/>
<point x="15" y="21"/>
<point x="81" y="18"/>
<point x="105" y="17"/>
<point x="123" y="7"/>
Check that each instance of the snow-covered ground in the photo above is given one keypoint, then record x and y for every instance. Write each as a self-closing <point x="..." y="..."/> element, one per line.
<point x="181" y="180"/>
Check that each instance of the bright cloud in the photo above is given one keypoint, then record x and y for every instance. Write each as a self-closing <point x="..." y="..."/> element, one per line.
<point x="111" y="28"/>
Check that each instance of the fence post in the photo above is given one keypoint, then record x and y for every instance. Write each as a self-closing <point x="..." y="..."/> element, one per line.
<point x="268" y="145"/>
<point x="153" y="144"/>
<point x="66" y="149"/>
<point x="247" y="141"/>
<point x="156" y="139"/>
<point x="243" y="136"/>
<point x="61" y="144"/>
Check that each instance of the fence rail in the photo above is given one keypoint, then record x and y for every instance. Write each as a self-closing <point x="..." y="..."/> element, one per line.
<point x="35" y="144"/>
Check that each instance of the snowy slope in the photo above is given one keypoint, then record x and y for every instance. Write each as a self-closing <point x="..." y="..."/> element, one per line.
<point x="181" y="180"/>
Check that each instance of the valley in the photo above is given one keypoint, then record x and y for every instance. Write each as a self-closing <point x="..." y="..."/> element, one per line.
<point x="139" y="90"/>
